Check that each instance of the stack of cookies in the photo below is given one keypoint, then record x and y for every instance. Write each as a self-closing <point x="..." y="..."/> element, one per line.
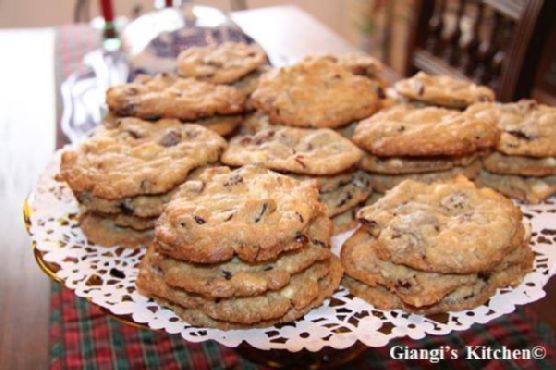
<point x="243" y="248"/>
<point x="298" y="106"/>
<point x="524" y="164"/>
<point x="425" y="144"/>
<point x="433" y="248"/>
<point x="305" y="153"/>
<point x="124" y="174"/>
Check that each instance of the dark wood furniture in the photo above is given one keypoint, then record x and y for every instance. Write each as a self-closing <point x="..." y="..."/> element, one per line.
<point x="493" y="42"/>
<point x="544" y="88"/>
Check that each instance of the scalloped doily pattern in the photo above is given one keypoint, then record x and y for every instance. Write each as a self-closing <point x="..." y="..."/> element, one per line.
<point x="106" y="277"/>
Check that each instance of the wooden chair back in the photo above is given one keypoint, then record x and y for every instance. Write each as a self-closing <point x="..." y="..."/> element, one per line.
<point x="492" y="42"/>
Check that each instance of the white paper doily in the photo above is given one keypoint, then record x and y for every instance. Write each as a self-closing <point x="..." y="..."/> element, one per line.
<point x="106" y="277"/>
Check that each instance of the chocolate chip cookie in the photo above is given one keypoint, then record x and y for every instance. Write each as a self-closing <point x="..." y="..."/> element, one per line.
<point x="347" y="220"/>
<point x="448" y="227"/>
<point x="415" y="288"/>
<point x="138" y="158"/>
<point x="315" y="94"/>
<point x="165" y="96"/>
<point x="294" y="150"/>
<point x="528" y="128"/>
<point x="443" y="90"/>
<point x="251" y="212"/>
<point x="383" y="183"/>
<point x="356" y="63"/>
<point x="519" y="165"/>
<point x="221" y="64"/>
<point x="532" y="189"/>
<point x="342" y="192"/>
<point x="404" y="130"/>
<point x="412" y="165"/>
<point x="139" y="206"/>
<point x="104" y="231"/>
<point x="223" y="125"/>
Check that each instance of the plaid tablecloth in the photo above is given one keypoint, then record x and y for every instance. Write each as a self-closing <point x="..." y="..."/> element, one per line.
<point x="82" y="336"/>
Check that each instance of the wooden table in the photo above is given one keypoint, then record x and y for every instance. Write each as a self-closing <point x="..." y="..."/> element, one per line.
<point x="27" y="127"/>
<point x="27" y="131"/>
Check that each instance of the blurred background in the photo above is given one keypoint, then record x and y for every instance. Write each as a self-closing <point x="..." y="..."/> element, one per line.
<point x="507" y="44"/>
<point x="360" y="22"/>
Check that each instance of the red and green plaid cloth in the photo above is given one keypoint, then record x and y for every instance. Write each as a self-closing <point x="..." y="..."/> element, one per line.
<point x="82" y="336"/>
